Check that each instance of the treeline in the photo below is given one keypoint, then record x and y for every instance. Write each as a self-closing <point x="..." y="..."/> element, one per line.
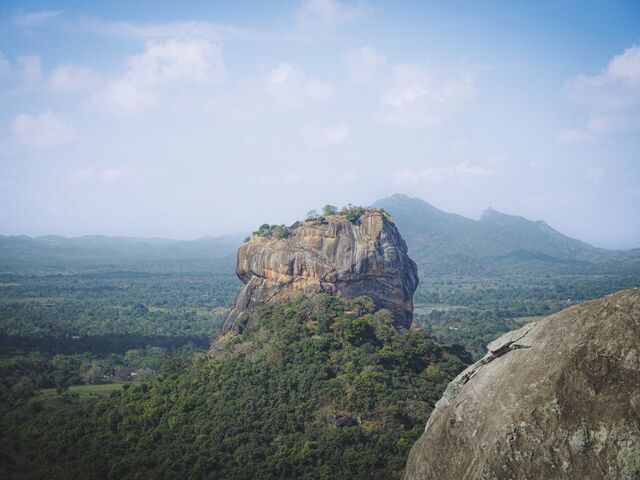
<point x="109" y="303"/>
<point x="23" y="376"/>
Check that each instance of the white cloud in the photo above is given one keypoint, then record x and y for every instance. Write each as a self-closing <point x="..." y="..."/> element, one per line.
<point x="617" y="87"/>
<point x="162" y="64"/>
<point x="290" y="88"/>
<point x="169" y="30"/>
<point x="317" y="92"/>
<point x="111" y="175"/>
<point x="441" y="174"/>
<point x="626" y="66"/>
<point x="25" y="75"/>
<point x="29" y="70"/>
<point x="597" y="126"/>
<point x="327" y="136"/>
<point x="34" y="19"/>
<point x="611" y="97"/>
<point x="72" y="78"/>
<point x="363" y="64"/>
<point x="44" y="130"/>
<point x="405" y="96"/>
<point x="417" y="99"/>
<point x="622" y="70"/>
<point x="195" y="61"/>
<point x="326" y="13"/>
<point x="124" y="96"/>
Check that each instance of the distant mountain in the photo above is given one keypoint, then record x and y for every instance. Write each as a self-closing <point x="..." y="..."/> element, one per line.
<point x="445" y="242"/>
<point x="96" y="251"/>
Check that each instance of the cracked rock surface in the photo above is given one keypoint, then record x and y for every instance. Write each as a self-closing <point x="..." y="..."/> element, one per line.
<point x="559" y="398"/>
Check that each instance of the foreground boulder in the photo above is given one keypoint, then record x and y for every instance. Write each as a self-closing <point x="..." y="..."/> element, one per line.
<point x="356" y="253"/>
<point x="559" y="398"/>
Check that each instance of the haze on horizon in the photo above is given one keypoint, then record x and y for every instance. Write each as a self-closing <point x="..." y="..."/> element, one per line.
<point x="201" y="119"/>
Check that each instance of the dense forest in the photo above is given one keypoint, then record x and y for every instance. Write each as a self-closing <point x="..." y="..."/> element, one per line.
<point x="104" y="370"/>
<point x="319" y="388"/>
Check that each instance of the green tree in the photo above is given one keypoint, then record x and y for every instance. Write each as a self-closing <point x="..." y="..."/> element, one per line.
<point x="329" y="210"/>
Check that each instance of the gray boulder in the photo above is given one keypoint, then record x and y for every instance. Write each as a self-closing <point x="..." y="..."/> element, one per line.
<point x="556" y="399"/>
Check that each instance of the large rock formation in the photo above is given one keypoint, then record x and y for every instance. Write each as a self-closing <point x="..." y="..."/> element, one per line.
<point x="364" y="256"/>
<point x="559" y="398"/>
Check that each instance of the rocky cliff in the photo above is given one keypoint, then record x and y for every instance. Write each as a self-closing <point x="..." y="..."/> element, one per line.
<point x="346" y="255"/>
<point x="559" y="398"/>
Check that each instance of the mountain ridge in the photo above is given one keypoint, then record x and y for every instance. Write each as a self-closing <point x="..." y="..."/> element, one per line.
<point x="439" y="241"/>
<point x="448" y="242"/>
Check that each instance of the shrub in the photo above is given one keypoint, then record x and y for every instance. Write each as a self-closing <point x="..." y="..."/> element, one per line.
<point x="329" y="210"/>
<point x="272" y="231"/>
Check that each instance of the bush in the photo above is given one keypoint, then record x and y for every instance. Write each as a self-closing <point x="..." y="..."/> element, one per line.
<point x="329" y="210"/>
<point x="272" y="231"/>
<point x="352" y="213"/>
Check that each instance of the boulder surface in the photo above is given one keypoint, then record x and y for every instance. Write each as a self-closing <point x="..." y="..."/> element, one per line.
<point x="336" y="255"/>
<point x="558" y="398"/>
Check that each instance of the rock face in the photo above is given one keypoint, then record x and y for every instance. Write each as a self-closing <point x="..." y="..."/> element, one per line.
<point x="559" y="398"/>
<point x="366" y="256"/>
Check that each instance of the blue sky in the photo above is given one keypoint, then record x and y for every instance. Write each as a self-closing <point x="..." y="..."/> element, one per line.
<point x="207" y="118"/>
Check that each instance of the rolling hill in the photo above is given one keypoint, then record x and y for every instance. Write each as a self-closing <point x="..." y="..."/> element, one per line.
<point x="438" y="241"/>
<point x="97" y="251"/>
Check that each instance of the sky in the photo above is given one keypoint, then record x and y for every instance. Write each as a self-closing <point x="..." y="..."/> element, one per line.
<point x="210" y="118"/>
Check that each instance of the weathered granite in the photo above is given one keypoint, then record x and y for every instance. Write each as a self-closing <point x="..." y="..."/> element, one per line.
<point x="558" y="398"/>
<point x="341" y="257"/>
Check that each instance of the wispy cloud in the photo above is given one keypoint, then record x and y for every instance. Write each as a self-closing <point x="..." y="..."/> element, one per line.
<point x="109" y="175"/>
<point x="159" y="31"/>
<point x="192" y="61"/>
<point x="326" y="13"/>
<point x="24" y="75"/>
<point x="43" y="130"/>
<point x="417" y="99"/>
<point x="441" y="173"/>
<point x="363" y="64"/>
<point x="73" y="78"/>
<point x="163" y="63"/>
<point x="290" y="88"/>
<point x="33" y="19"/>
<point x="124" y="96"/>
<point x="611" y="98"/>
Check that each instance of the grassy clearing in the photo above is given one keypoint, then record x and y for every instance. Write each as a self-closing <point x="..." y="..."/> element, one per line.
<point x="86" y="390"/>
